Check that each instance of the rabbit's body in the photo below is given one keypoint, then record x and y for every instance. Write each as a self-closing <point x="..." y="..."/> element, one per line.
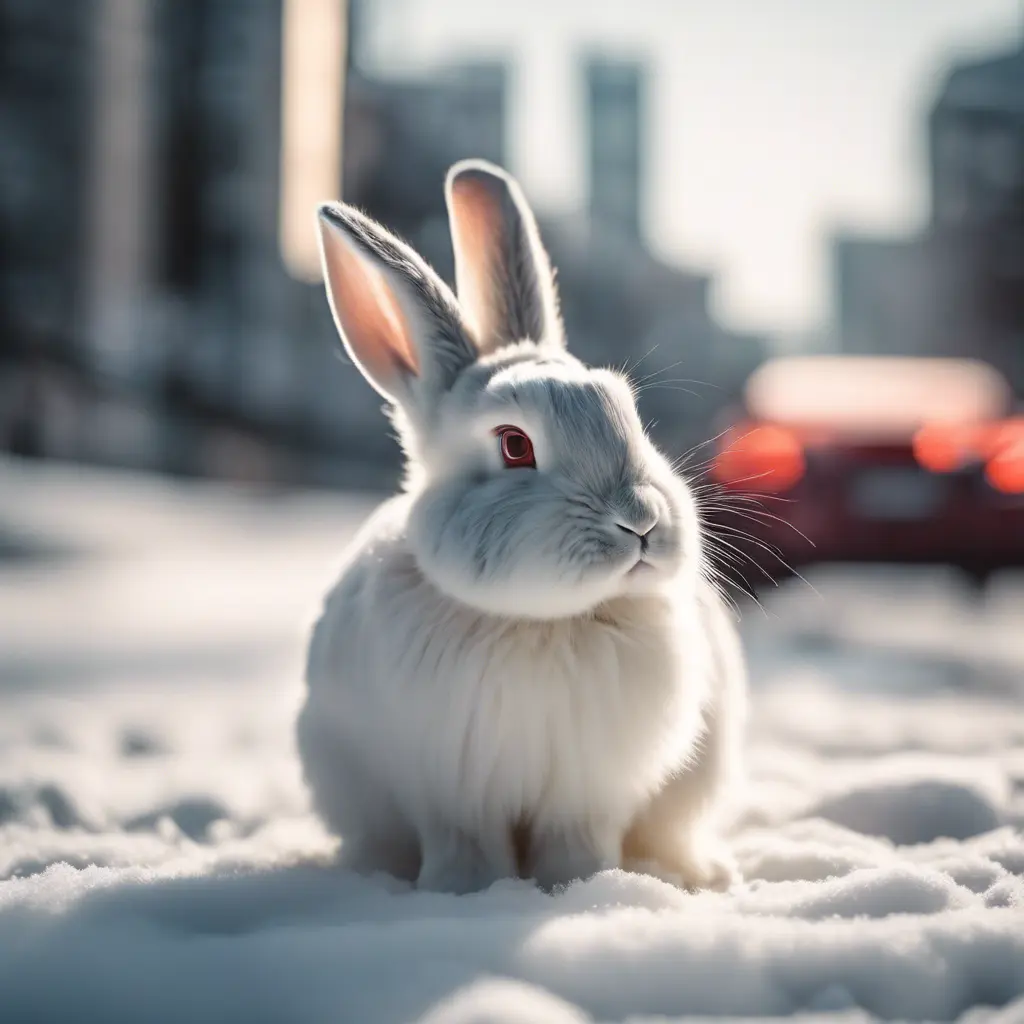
<point x="533" y="742"/>
<point x="522" y="671"/>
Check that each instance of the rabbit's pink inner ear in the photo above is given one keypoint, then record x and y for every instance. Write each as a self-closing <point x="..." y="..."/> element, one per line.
<point x="366" y="312"/>
<point x="476" y="233"/>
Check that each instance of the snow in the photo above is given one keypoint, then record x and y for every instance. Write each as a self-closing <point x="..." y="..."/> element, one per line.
<point x="158" y="861"/>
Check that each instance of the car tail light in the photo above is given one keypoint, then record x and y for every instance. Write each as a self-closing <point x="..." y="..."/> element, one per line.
<point x="1005" y="467"/>
<point x="945" y="447"/>
<point x="764" y="458"/>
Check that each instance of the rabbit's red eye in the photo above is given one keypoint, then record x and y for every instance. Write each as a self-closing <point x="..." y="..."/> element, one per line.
<point x="516" y="448"/>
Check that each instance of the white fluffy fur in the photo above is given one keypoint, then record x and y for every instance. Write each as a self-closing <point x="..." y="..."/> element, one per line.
<point x="506" y="680"/>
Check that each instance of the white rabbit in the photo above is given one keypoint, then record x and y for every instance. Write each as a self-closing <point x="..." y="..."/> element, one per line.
<point x="523" y="670"/>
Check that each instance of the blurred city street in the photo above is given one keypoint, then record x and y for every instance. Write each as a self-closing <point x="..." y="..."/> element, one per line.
<point x="151" y="643"/>
<point x="110" y="578"/>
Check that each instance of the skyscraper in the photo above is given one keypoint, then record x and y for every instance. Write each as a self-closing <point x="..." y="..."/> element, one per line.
<point x="615" y="105"/>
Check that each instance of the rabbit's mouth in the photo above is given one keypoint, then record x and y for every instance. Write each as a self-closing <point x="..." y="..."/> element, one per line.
<point x="650" y="570"/>
<point x="642" y="568"/>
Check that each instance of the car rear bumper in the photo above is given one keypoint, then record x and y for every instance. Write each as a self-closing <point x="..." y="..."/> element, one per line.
<point x="824" y="518"/>
<point x="993" y="538"/>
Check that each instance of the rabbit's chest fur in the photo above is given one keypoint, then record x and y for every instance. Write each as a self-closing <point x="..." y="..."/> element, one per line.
<point x="503" y="720"/>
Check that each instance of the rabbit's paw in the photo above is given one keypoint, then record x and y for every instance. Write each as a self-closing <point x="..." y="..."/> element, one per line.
<point x="563" y="856"/>
<point x="691" y="867"/>
<point x="455" y="863"/>
<point x="709" y="869"/>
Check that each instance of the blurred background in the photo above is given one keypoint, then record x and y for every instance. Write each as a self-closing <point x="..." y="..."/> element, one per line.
<point x="751" y="205"/>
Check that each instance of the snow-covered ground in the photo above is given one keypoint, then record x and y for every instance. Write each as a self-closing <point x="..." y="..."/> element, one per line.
<point x="158" y="862"/>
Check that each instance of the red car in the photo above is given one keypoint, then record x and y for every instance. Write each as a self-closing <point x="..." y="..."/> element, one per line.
<point x="870" y="459"/>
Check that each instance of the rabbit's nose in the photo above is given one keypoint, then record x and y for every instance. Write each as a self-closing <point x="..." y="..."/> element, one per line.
<point x="638" y="529"/>
<point x="640" y="525"/>
<point x="638" y="512"/>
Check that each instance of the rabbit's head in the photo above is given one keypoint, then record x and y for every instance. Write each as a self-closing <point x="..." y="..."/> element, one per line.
<point x="534" y="490"/>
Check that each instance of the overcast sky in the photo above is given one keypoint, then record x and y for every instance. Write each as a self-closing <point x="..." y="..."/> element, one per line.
<point x="773" y="120"/>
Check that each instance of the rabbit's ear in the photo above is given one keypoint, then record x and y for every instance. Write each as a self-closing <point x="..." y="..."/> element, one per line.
<point x="399" y="322"/>
<point x="502" y="272"/>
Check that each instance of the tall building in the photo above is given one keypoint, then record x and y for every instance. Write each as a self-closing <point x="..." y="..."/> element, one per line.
<point x="45" y="85"/>
<point x="977" y="166"/>
<point x="957" y="287"/>
<point x="905" y="296"/>
<point x="616" y="139"/>
<point x="218" y="102"/>
<point x="976" y="143"/>
<point x="402" y="135"/>
<point x="122" y="236"/>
